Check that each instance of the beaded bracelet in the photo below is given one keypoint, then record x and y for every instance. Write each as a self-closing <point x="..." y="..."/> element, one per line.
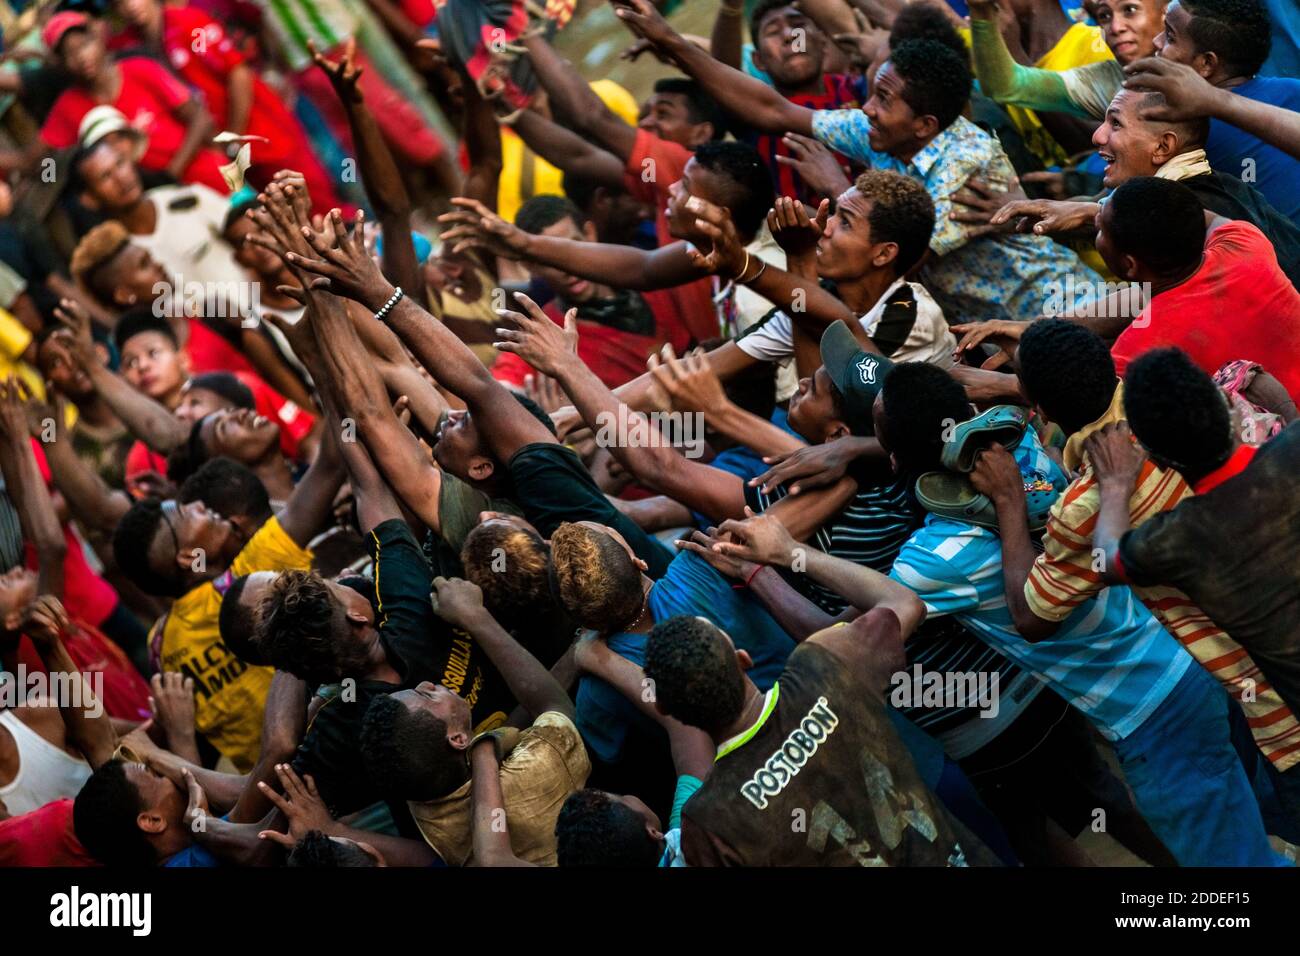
<point x="395" y="298"/>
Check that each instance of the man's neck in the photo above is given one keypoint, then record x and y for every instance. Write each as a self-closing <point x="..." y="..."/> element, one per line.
<point x="275" y="475"/>
<point x="1165" y="283"/>
<point x="814" y="87"/>
<point x="749" y="714"/>
<point x="862" y="294"/>
<point x="107" y="83"/>
<point x="909" y="153"/>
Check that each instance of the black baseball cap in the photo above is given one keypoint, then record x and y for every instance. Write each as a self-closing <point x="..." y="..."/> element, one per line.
<point x="859" y="375"/>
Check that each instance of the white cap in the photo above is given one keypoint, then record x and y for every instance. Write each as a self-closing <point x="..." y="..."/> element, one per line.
<point x="103" y="120"/>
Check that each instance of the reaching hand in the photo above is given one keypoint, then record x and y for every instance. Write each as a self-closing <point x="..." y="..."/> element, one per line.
<point x="197" y="809"/>
<point x="344" y="74"/>
<point x="1188" y="95"/>
<point x="546" y="392"/>
<point x="1046" y="217"/>
<point x="815" y="164"/>
<point x="344" y="262"/>
<point x="997" y="475"/>
<point x="44" y="620"/>
<point x="645" y="20"/>
<point x="728" y="565"/>
<point x="727" y="257"/>
<point x="537" y="340"/>
<point x="1115" y="456"/>
<point x="793" y="230"/>
<point x="690" y="382"/>
<point x="73" y="316"/>
<point x="300" y="335"/>
<point x="457" y="601"/>
<point x="172" y="701"/>
<point x="760" y="538"/>
<point x="14" y="424"/>
<point x="474" y="226"/>
<point x="813" y="466"/>
<point x="976" y="203"/>
<point x="300" y="803"/>
<point x="1000" y="333"/>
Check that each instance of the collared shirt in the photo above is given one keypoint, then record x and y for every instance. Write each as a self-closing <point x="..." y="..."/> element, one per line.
<point x="972" y="278"/>
<point x="1066" y="575"/>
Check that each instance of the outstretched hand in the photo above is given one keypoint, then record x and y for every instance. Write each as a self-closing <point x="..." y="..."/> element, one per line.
<point x="536" y="339"/>
<point x="689" y="381"/>
<point x="300" y="803"/>
<point x="727" y="257"/>
<point x="761" y="539"/>
<point x="475" y="226"/>
<point x="1188" y="95"/>
<point x="341" y="258"/>
<point x="343" y="74"/>
<point x="793" y="230"/>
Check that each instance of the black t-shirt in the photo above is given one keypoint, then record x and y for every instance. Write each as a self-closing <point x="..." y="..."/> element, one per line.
<point x="822" y="779"/>
<point x="420" y="646"/>
<point x="552" y="487"/>
<point x="1233" y="550"/>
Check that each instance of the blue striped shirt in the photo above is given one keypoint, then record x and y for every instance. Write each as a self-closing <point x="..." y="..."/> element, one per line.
<point x="1110" y="658"/>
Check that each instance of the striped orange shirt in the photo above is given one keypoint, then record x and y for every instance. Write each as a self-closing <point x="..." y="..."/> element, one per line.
<point x="1068" y="573"/>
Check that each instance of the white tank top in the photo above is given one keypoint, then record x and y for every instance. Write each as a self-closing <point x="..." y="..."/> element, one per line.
<point x="45" y="772"/>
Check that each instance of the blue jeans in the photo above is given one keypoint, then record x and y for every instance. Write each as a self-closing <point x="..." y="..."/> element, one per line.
<point x="1188" y="781"/>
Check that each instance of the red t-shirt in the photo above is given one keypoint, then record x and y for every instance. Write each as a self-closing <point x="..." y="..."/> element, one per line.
<point x="86" y="595"/>
<point x="1238" y="305"/>
<point x="697" y="317"/>
<point x="125" y="695"/>
<point x="43" y="837"/>
<point x="203" y="56"/>
<point x="148" y="98"/>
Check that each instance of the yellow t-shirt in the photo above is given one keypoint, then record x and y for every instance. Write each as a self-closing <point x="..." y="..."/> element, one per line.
<point x="1079" y="46"/>
<point x="229" y="695"/>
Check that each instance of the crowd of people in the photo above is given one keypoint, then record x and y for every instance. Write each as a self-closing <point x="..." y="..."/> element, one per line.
<point x="875" y="447"/>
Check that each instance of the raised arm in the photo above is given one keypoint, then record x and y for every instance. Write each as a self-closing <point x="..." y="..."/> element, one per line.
<point x="550" y="350"/>
<point x="565" y="149"/>
<point x="574" y="100"/>
<point x="473" y="226"/>
<point x="26" y="489"/>
<point x="1004" y="80"/>
<point x="460" y="603"/>
<point x="379" y="173"/>
<point x="762" y="107"/>
<point x="490" y="828"/>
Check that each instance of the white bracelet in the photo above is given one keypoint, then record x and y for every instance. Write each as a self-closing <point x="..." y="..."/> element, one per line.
<point x="395" y="298"/>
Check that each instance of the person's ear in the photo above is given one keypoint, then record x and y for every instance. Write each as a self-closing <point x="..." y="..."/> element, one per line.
<point x="13" y="619"/>
<point x="184" y="358"/>
<point x="883" y="253"/>
<point x="371" y="852"/>
<point x="589" y="231"/>
<point x="641" y="565"/>
<point x="356" y="618"/>
<point x="653" y="832"/>
<point x="150" y="821"/>
<point x="480" y="468"/>
<point x="101" y="353"/>
<point x="893" y="463"/>
<point x="1206" y="64"/>
<point x="1128" y="268"/>
<point x="836" y="430"/>
<point x="701" y="133"/>
<point x="743" y="659"/>
<point x="1166" y="148"/>
<point x="123" y="297"/>
<point x="458" y="739"/>
<point x="89" y="199"/>
<point x="185" y="558"/>
<point x="925" y="127"/>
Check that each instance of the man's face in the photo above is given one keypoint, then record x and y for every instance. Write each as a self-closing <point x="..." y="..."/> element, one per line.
<point x="893" y="123"/>
<point x="619" y="216"/>
<point x="789" y="47"/>
<point x="58" y="368"/>
<point x="239" y="433"/>
<point x="152" y="364"/>
<point x="112" y="182"/>
<point x="135" y="276"/>
<point x="198" y="403"/>
<point x="570" y="288"/>
<point x="1125" y="142"/>
<point x="695" y="181"/>
<point x="158" y="794"/>
<point x="458" y="449"/>
<point x="812" y="407"/>
<point x="846" y="249"/>
<point x="1174" y="43"/>
<point x="1129" y="27"/>
<point x="138" y="13"/>
<point x="258" y="260"/>
<point x="17" y="590"/>
<point x="194" y="529"/>
<point x="82" y="53"/>
<point x="668" y="116"/>
<point x="442" y="703"/>
<point x="454" y="275"/>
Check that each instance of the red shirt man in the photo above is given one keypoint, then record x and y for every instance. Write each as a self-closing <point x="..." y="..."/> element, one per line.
<point x="1237" y="305"/>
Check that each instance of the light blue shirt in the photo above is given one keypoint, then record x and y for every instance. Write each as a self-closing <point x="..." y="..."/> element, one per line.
<point x="972" y="279"/>
<point x="1110" y="658"/>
